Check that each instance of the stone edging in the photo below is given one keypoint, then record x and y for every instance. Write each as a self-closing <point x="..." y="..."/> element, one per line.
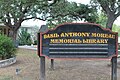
<point x="7" y="62"/>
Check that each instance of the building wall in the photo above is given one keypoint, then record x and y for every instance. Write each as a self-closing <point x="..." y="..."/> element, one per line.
<point x="4" y="30"/>
<point x="119" y="40"/>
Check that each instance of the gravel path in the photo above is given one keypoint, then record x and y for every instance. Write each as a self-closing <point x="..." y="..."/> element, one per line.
<point x="28" y="63"/>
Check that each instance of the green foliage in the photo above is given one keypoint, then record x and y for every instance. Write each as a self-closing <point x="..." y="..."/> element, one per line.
<point x="24" y="38"/>
<point x="7" y="48"/>
<point x="116" y="29"/>
<point x="65" y="11"/>
<point x="14" y="12"/>
<point x="111" y="8"/>
<point x="35" y="42"/>
<point x="102" y="19"/>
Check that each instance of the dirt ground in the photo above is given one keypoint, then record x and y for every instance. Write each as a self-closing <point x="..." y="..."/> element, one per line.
<point x="28" y="63"/>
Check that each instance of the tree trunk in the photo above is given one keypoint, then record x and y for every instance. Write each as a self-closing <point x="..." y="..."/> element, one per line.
<point x="110" y="21"/>
<point x="15" y="38"/>
<point x="13" y="35"/>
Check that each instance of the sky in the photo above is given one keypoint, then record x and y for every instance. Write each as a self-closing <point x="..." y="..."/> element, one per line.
<point x="39" y="23"/>
<point x="33" y="22"/>
<point x="80" y="1"/>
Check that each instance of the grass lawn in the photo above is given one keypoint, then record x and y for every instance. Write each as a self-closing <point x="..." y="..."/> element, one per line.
<point x="28" y="63"/>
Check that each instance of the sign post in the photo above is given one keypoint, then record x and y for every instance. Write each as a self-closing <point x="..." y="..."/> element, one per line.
<point x="79" y="41"/>
<point x="42" y="68"/>
<point x="114" y="68"/>
<point x="42" y="58"/>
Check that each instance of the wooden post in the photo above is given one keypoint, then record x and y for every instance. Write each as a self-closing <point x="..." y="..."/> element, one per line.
<point x="52" y="64"/>
<point x="42" y="68"/>
<point x="43" y="28"/>
<point x="114" y="68"/>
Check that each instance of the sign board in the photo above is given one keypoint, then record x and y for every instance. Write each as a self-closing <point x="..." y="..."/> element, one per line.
<point x="78" y="40"/>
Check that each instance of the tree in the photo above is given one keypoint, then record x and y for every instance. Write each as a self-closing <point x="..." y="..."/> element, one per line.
<point x="111" y="9"/>
<point x="66" y="11"/>
<point x="14" y="12"/>
<point x="102" y="19"/>
<point x="116" y="28"/>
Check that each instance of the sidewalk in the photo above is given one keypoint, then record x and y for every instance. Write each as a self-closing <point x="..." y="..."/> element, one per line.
<point x="28" y="47"/>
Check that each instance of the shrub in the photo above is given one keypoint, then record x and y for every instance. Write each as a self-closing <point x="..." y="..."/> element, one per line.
<point x="24" y="38"/>
<point x="35" y="42"/>
<point x="7" y="48"/>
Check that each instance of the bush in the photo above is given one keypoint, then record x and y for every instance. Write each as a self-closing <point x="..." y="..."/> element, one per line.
<point x="7" y="48"/>
<point x="35" y="42"/>
<point x="24" y="38"/>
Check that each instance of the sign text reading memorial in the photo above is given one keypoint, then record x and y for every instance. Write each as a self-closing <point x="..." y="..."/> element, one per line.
<point x="78" y="40"/>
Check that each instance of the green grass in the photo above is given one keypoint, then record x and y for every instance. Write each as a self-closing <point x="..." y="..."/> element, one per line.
<point x="25" y="52"/>
<point x="6" y="78"/>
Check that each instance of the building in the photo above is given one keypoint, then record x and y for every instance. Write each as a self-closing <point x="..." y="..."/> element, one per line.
<point x="119" y="40"/>
<point x="4" y="29"/>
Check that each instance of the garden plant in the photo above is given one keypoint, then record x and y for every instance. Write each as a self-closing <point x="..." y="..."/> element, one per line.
<point x="7" y="48"/>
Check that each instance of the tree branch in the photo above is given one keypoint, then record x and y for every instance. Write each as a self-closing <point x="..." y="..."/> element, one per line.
<point x="21" y="18"/>
<point x="54" y="2"/>
<point x="8" y="19"/>
<point x="105" y="6"/>
<point x="34" y="18"/>
<point x="113" y="5"/>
